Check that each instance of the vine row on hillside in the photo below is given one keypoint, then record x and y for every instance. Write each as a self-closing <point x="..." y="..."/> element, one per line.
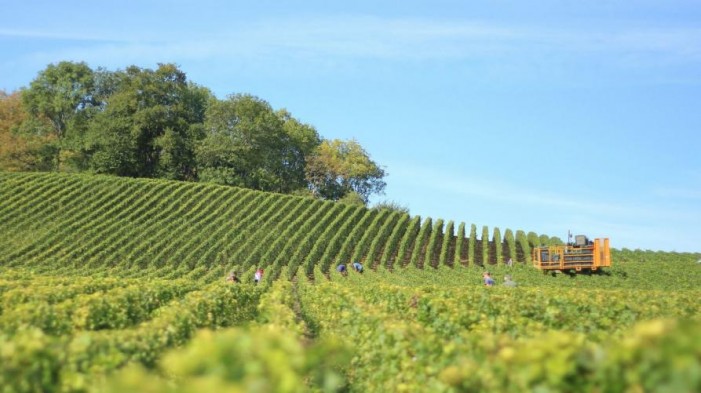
<point x="80" y="221"/>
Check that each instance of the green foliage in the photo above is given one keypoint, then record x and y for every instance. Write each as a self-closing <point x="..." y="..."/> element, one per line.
<point x="303" y="140"/>
<point x="407" y="242"/>
<point x="352" y="198"/>
<point x="60" y="102"/>
<point x="485" y="245"/>
<point x="353" y="236"/>
<point x="331" y="255"/>
<point x="434" y="241"/>
<point x="460" y="246"/>
<point x="382" y="238"/>
<point x="368" y="233"/>
<point x="242" y="360"/>
<point x="328" y="237"/>
<point x="391" y="206"/>
<point x="247" y="144"/>
<point x="123" y="307"/>
<point x="422" y="337"/>
<point x="510" y="244"/>
<point x="106" y="284"/>
<point x="338" y="167"/>
<point x="311" y="236"/>
<point x="30" y="362"/>
<point x="498" y="245"/>
<point x="472" y="244"/>
<point x="30" y="150"/>
<point x="149" y="125"/>
<point x="533" y="239"/>
<point x="302" y="228"/>
<point x="393" y="242"/>
<point x="558" y="361"/>
<point x="524" y="244"/>
<point x="141" y="122"/>
<point x="421" y="242"/>
<point x="268" y="358"/>
<point x="444" y="256"/>
<point x="60" y="93"/>
<point x="73" y="363"/>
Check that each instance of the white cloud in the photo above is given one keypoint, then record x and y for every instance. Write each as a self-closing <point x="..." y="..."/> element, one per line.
<point x="678" y="193"/>
<point x="357" y="37"/>
<point x="518" y="194"/>
<point x="58" y="35"/>
<point x="628" y="223"/>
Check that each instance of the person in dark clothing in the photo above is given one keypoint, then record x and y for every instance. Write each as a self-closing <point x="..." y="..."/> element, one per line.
<point x="341" y="268"/>
<point x="358" y="267"/>
<point x="233" y="277"/>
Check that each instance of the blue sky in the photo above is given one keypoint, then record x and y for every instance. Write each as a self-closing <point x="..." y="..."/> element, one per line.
<point x="545" y="116"/>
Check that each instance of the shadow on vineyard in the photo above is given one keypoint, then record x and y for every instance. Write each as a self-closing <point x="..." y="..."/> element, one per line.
<point x="114" y="284"/>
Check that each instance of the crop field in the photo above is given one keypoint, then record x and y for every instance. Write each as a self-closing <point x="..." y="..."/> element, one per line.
<point x="112" y="285"/>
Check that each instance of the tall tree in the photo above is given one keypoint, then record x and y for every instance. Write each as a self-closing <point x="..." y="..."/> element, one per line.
<point x="303" y="139"/>
<point x="21" y="152"/>
<point x="247" y="144"/>
<point x="338" y="167"/>
<point x="150" y="123"/>
<point x="61" y="96"/>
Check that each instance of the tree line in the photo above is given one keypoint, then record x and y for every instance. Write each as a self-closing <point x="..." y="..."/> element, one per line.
<point x="155" y="123"/>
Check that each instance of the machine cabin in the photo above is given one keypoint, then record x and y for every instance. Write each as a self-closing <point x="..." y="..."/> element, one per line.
<point x="583" y="254"/>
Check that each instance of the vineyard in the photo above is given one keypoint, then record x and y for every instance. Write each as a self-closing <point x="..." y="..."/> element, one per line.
<point x="114" y="284"/>
<point x="126" y="225"/>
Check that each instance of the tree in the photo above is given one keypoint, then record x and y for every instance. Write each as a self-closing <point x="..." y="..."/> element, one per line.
<point x="21" y="152"/>
<point x="61" y="97"/>
<point x="247" y="144"/>
<point x="303" y="140"/>
<point x="149" y="125"/>
<point x="338" y="167"/>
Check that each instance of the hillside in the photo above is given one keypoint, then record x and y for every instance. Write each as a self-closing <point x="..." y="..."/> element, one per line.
<point x="76" y="220"/>
<point x="114" y="284"/>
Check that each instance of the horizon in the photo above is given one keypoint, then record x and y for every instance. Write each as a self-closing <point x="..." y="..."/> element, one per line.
<point x="550" y="118"/>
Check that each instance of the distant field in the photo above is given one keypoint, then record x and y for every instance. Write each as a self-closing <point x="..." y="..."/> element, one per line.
<point x="112" y="284"/>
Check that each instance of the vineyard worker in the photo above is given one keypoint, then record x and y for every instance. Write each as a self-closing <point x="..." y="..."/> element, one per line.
<point x="508" y="282"/>
<point x="358" y="267"/>
<point x="258" y="276"/>
<point x="341" y="268"/>
<point x="488" y="280"/>
<point x="233" y="278"/>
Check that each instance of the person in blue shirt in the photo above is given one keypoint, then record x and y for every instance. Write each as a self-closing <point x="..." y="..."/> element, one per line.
<point x="488" y="280"/>
<point x="341" y="268"/>
<point x="358" y="267"/>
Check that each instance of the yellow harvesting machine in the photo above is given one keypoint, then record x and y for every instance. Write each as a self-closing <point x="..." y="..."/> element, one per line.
<point x="582" y="254"/>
